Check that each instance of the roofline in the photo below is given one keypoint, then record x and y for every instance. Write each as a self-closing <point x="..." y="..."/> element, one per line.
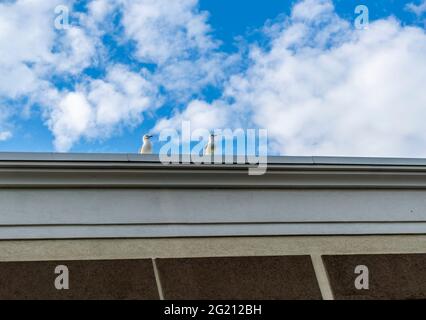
<point x="52" y="170"/>
<point x="155" y="159"/>
<point x="52" y="196"/>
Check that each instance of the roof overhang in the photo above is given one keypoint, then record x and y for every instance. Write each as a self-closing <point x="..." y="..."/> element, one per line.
<point x="52" y="196"/>
<point x="36" y="170"/>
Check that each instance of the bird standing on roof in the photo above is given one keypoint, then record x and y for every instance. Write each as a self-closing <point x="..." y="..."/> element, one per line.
<point x="210" y="147"/>
<point x="147" y="145"/>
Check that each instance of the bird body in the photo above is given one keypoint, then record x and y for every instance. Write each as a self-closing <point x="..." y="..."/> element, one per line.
<point x="147" y="145"/>
<point x="210" y="147"/>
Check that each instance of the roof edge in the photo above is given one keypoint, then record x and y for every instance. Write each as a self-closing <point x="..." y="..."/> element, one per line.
<point x="155" y="159"/>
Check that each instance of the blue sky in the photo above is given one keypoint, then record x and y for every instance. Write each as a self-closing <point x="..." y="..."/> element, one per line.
<point x="286" y="66"/>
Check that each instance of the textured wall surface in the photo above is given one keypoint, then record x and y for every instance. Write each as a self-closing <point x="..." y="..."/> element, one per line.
<point x="397" y="276"/>
<point x="115" y="279"/>
<point x="247" y="278"/>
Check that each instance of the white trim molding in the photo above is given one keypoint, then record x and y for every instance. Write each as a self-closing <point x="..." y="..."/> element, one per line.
<point x="61" y="196"/>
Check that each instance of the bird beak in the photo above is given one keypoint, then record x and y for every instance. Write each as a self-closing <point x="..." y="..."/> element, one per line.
<point x="150" y="137"/>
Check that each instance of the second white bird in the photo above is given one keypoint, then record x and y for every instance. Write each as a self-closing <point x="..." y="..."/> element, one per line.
<point x="210" y="147"/>
<point x="147" y="145"/>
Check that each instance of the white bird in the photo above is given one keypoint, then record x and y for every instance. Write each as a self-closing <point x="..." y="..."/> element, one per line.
<point x="147" y="145"/>
<point x="210" y="147"/>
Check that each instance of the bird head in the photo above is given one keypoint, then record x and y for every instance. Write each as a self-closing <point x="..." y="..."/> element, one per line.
<point x="147" y="137"/>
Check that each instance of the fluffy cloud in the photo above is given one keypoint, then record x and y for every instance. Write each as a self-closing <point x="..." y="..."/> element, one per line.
<point x="5" y="135"/>
<point x="318" y="85"/>
<point x="174" y="36"/>
<point x="70" y="119"/>
<point x="32" y="50"/>
<point x="199" y="114"/>
<point x="99" y="9"/>
<point x="5" y="132"/>
<point x="166" y="30"/>
<point x="418" y="9"/>
<point x="100" y="107"/>
<point x="324" y="88"/>
<point x="25" y="40"/>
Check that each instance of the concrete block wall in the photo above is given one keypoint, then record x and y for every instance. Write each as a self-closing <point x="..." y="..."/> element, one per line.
<point x="271" y="268"/>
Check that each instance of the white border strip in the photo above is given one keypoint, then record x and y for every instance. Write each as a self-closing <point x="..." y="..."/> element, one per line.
<point x="158" y="279"/>
<point x="112" y="249"/>
<point x="322" y="277"/>
<point x="208" y="230"/>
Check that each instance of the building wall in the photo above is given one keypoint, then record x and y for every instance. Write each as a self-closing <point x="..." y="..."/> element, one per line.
<point x="41" y="213"/>
<point x="130" y="227"/>
<point x="303" y="267"/>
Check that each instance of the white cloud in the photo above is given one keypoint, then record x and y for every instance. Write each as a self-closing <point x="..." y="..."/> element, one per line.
<point x="418" y="9"/>
<point x="99" y="107"/>
<point x="76" y="49"/>
<point x="312" y="10"/>
<point x="176" y="37"/>
<point x="199" y="114"/>
<point x="25" y="40"/>
<point x="32" y="50"/>
<point x="122" y="97"/>
<point x="5" y="135"/>
<point x="99" y="9"/>
<point x="166" y="30"/>
<point x="5" y="132"/>
<point x="319" y="86"/>
<point x="333" y="90"/>
<point x="70" y="119"/>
